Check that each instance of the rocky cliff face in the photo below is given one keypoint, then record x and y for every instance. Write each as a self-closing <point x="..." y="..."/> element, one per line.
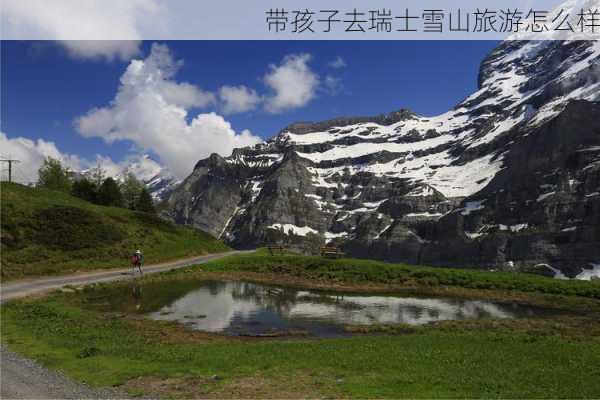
<point x="509" y="178"/>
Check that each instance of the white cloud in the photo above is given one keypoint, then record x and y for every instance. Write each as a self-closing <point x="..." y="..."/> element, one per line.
<point x="337" y="63"/>
<point x="237" y="99"/>
<point x="107" y="49"/>
<point x="150" y="109"/>
<point x="293" y="83"/>
<point x="31" y="154"/>
<point x="78" y="25"/>
<point x="143" y="167"/>
<point x="108" y="166"/>
<point x="333" y="84"/>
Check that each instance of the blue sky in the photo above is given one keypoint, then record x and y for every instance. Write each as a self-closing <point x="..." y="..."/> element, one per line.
<point x="44" y="89"/>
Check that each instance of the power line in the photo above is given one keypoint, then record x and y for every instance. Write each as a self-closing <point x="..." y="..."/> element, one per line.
<point x="10" y="162"/>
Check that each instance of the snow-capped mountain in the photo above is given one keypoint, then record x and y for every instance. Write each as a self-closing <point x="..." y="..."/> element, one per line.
<point x="157" y="178"/>
<point x="509" y="178"/>
<point x="159" y="181"/>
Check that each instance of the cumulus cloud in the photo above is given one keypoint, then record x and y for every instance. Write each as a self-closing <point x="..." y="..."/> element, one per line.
<point x="151" y="109"/>
<point x="337" y="63"/>
<point x="293" y="83"/>
<point x="237" y="99"/>
<point x="86" y="28"/>
<point x="32" y="154"/>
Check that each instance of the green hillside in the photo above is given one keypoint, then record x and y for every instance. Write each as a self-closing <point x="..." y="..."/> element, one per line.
<point x="48" y="232"/>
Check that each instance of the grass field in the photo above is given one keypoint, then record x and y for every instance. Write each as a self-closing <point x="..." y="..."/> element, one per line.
<point x="555" y="357"/>
<point x="47" y="232"/>
<point x="366" y="271"/>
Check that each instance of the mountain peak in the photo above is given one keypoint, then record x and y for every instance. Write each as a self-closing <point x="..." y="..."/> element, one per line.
<point x="383" y="119"/>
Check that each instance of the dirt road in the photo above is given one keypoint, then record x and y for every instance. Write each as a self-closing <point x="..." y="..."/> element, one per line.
<point x="21" y="378"/>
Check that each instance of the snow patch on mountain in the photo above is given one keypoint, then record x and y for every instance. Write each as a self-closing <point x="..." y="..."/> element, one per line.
<point x="296" y="230"/>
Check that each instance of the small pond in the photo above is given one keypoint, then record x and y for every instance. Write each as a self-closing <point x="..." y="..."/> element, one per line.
<point x="242" y="308"/>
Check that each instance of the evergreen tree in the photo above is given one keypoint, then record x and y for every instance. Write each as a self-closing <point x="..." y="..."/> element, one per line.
<point x="109" y="194"/>
<point x="52" y="175"/>
<point x="131" y="189"/>
<point x="85" y="189"/>
<point x="145" y="203"/>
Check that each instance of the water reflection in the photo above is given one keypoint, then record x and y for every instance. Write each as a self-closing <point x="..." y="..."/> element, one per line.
<point x="136" y="295"/>
<point x="247" y="308"/>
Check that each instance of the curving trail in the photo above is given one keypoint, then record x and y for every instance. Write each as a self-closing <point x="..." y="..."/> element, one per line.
<point x="22" y="288"/>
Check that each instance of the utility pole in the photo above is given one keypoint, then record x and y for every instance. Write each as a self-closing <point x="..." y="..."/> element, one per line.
<point x="10" y="163"/>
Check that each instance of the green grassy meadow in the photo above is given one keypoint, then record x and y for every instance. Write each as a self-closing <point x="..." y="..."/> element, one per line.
<point x="47" y="232"/>
<point x="315" y="269"/>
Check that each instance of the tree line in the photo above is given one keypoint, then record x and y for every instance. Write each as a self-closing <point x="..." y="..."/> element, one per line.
<point x="95" y="187"/>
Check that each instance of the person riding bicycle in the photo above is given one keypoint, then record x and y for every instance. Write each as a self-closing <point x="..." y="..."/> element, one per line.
<point x="137" y="260"/>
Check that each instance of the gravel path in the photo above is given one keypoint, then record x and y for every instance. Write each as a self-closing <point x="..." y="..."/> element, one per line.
<point x="22" y="378"/>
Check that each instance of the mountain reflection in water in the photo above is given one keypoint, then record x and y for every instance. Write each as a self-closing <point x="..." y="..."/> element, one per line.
<point x="246" y="308"/>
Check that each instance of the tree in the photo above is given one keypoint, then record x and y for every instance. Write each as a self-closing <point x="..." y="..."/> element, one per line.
<point x="109" y="194"/>
<point x="313" y="243"/>
<point x="96" y="176"/>
<point x="145" y="203"/>
<point x="131" y="189"/>
<point x="52" y="175"/>
<point x="85" y="189"/>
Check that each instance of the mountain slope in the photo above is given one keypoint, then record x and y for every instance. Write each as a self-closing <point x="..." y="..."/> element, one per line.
<point x="509" y="178"/>
<point x="47" y="232"/>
